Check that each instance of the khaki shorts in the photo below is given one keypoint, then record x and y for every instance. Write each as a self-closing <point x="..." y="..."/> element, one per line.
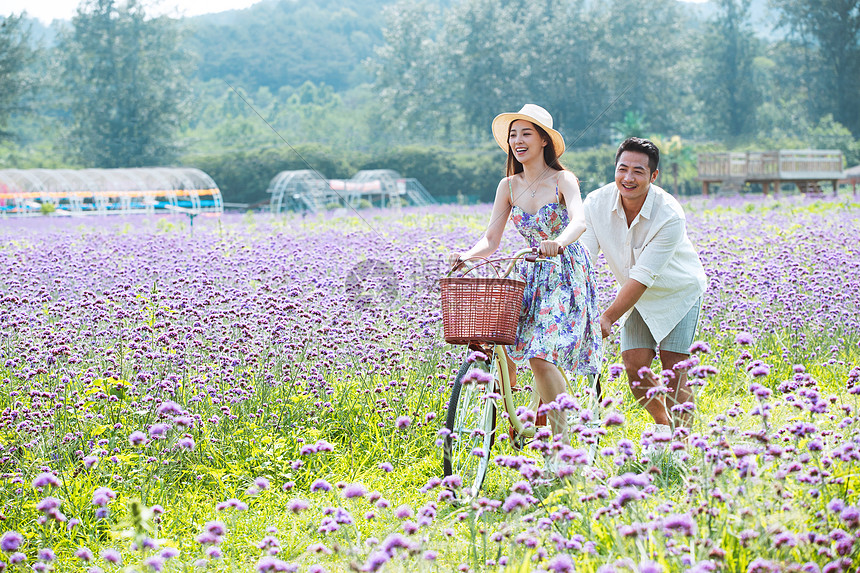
<point x="635" y="333"/>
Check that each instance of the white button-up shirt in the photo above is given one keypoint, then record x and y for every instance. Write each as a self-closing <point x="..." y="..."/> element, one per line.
<point x="653" y="250"/>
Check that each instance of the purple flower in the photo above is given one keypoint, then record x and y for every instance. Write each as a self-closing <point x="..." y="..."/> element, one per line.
<point x="760" y="370"/>
<point x="628" y="494"/>
<point x="323" y="446"/>
<point x="561" y="563"/>
<point x="112" y="556"/>
<point x="744" y="339"/>
<point x="268" y="563"/>
<point x="48" y="504"/>
<point x="169" y="553"/>
<point x="386" y="467"/>
<point x="45" y="479"/>
<point x="515" y="501"/>
<point x="214" y="552"/>
<point x="376" y="560"/>
<point x="850" y="515"/>
<point x="137" y="438"/>
<point x="650" y="566"/>
<point x="232" y="503"/>
<point x="403" y="512"/>
<point x="267" y="542"/>
<point x="84" y="554"/>
<point x="90" y="461"/>
<point x="207" y="538"/>
<point x="297" y="505"/>
<point x="628" y="479"/>
<point x="216" y="528"/>
<point x="11" y="541"/>
<point x="679" y="522"/>
<point x="158" y="431"/>
<point x="155" y="563"/>
<point x="320" y="485"/>
<point x="402" y="422"/>
<point x="307" y="450"/>
<point x="102" y="496"/>
<point x="169" y="409"/>
<point x="613" y="419"/>
<point x="836" y="505"/>
<point x="354" y="490"/>
<point x="186" y="443"/>
<point x="410" y="527"/>
<point x="700" y="346"/>
<point x="785" y="538"/>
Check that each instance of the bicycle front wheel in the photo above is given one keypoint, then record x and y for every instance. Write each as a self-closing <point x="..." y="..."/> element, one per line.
<point x="471" y="423"/>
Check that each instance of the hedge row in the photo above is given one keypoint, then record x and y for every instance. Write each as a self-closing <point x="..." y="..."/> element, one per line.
<point x="244" y="176"/>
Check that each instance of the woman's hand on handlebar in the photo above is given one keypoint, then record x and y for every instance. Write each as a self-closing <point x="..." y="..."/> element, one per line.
<point x="550" y="248"/>
<point x="454" y="260"/>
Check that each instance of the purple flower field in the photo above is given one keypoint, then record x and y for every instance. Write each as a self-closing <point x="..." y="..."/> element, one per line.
<point x="265" y="394"/>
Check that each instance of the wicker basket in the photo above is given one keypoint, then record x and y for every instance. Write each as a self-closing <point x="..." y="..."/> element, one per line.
<point x="481" y="310"/>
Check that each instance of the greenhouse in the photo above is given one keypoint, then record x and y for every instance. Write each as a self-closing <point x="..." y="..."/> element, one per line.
<point x="307" y="190"/>
<point x="25" y="192"/>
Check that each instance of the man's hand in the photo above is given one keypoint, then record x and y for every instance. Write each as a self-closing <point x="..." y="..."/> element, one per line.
<point x="605" y="326"/>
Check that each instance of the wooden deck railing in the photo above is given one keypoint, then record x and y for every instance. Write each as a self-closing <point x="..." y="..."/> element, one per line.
<point x="785" y="165"/>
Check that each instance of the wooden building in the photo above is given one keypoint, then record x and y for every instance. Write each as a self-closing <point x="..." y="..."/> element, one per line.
<point x="805" y="168"/>
<point x="852" y="177"/>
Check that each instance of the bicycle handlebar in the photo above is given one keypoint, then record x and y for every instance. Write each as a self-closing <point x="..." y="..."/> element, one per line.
<point x="530" y="255"/>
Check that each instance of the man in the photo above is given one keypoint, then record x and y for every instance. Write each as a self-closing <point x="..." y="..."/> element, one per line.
<point x="641" y="230"/>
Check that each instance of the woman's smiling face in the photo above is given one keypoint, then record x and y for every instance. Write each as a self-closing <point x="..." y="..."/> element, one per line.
<point x="525" y="141"/>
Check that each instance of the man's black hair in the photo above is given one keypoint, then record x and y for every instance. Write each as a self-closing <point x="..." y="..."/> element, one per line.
<point x="642" y="146"/>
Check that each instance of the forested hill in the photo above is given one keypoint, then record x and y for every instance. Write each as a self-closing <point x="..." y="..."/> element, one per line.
<point x="278" y="43"/>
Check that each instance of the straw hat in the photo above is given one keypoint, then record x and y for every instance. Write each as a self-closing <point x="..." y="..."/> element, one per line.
<point x="530" y="112"/>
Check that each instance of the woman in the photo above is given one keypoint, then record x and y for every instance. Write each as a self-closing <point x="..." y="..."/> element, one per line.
<point x="559" y="325"/>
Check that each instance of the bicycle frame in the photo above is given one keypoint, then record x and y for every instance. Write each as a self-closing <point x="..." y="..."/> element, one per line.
<point x="505" y="388"/>
<point x="471" y="417"/>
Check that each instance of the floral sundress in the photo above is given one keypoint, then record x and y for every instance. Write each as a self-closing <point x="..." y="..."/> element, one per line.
<point x="559" y="322"/>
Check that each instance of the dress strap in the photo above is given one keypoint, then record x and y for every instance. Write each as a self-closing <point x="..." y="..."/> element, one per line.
<point x="511" y="190"/>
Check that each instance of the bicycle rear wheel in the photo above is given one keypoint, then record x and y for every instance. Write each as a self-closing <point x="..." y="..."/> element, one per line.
<point x="471" y="421"/>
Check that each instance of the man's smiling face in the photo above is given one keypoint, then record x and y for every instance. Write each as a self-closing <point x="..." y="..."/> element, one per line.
<point x="633" y="176"/>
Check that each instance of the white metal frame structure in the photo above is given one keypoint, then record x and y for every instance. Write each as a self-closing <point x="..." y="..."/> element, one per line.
<point x="107" y="191"/>
<point x="303" y="190"/>
<point x="306" y="190"/>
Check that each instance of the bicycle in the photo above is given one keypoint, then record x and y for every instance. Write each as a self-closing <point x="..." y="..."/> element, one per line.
<point x="483" y="315"/>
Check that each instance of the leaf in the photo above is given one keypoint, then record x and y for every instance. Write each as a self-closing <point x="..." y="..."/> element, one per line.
<point x="98" y="431"/>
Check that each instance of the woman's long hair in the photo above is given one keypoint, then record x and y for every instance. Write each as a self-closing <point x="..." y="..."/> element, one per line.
<point x="549" y="154"/>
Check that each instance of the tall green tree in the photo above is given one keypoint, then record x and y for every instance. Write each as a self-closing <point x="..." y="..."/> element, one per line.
<point x="486" y="57"/>
<point x="830" y="30"/>
<point x="643" y="52"/>
<point x="562" y="71"/>
<point x="124" y="79"/>
<point x="728" y="88"/>
<point x="415" y="91"/>
<point x="15" y="57"/>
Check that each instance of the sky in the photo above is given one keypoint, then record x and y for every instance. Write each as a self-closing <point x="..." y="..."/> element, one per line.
<point x="49" y="10"/>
